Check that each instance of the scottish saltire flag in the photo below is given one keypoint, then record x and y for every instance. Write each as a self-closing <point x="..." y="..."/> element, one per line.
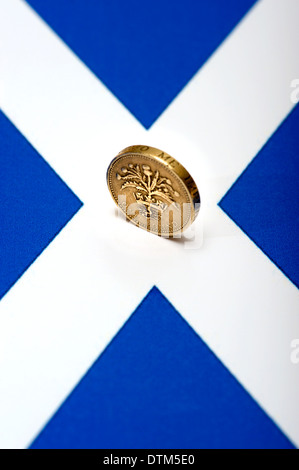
<point x="111" y="337"/>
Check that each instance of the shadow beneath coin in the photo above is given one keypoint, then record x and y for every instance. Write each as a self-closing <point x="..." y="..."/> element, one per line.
<point x="179" y="240"/>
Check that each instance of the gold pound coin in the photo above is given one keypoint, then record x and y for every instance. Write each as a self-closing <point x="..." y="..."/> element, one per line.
<point x="153" y="190"/>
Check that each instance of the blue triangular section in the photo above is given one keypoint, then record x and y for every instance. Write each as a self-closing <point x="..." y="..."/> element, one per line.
<point x="264" y="201"/>
<point x="35" y="204"/>
<point x="158" y="385"/>
<point x="144" y="51"/>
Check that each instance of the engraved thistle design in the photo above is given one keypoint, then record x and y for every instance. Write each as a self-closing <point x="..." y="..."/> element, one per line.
<point x="152" y="191"/>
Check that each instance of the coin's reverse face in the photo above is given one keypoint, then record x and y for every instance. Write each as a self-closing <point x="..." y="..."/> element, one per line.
<point x="153" y="190"/>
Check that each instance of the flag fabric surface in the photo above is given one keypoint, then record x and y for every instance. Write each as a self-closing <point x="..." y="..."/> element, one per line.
<point x="111" y="337"/>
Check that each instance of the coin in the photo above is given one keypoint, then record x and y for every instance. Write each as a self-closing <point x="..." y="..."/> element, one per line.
<point x="153" y="190"/>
